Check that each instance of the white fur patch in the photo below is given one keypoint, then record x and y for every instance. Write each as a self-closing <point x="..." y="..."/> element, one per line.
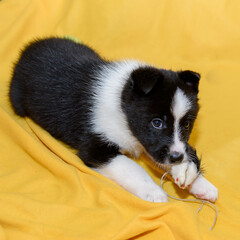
<point x="180" y="105"/>
<point x="203" y="189"/>
<point x="133" y="178"/>
<point x="184" y="174"/>
<point x="108" y="119"/>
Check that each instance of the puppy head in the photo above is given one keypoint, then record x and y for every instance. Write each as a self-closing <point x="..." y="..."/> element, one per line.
<point x="161" y="107"/>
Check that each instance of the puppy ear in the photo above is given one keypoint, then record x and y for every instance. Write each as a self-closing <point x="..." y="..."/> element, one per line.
<point x="145" y="78"/>
<point x="190" y="78"/>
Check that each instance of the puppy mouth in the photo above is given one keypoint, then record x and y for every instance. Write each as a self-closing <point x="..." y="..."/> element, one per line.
<point x="166" y="162"/>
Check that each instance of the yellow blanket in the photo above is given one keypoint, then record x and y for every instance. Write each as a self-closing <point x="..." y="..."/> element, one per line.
<point x="46" y="192"/>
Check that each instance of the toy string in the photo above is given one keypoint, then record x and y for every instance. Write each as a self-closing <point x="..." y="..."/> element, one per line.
<point x="192" y="200"/>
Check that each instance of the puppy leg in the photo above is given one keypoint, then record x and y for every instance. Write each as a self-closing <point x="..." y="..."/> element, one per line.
<point x="133" y="178"/>
<point x="202" y="188"/>
<point x="187" y="176"/>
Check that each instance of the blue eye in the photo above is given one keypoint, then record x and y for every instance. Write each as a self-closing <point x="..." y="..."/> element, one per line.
<point x="157" y="123"/>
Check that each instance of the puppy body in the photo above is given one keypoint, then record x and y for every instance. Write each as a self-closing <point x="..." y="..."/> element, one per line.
<point x="105" y="109"/>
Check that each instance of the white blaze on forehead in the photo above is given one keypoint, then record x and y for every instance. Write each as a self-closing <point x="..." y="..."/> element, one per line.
<point x="180" y="105"/>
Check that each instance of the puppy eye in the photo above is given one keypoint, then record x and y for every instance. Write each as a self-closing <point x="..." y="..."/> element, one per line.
<point x="157" y="123"/>
<point x="187" y="125"/>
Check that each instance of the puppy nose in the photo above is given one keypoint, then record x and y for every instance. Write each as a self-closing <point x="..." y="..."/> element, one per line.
<point x="176" y="156"/>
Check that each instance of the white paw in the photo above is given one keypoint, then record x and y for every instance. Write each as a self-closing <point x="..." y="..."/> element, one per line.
<point x="184" y="174"/>
<point x="151" y="194"/>
<point x="203" y="189"/>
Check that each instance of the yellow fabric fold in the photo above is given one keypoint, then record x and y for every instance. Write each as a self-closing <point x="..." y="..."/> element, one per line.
<point x="46" y="192"/>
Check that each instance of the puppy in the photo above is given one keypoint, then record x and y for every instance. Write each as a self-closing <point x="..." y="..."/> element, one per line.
<point x="106" y="109"/>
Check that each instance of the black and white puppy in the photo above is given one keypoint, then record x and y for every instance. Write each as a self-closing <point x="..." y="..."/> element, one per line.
<point x="106" y="109"/>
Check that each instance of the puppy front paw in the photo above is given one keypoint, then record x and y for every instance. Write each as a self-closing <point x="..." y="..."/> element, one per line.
<point x="203" y="189"/>
<point x="184" y="174"/>
<point x="151" y="193"/>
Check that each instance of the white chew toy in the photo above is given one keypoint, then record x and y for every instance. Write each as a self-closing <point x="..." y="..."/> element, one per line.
<point x="192" y="200"/>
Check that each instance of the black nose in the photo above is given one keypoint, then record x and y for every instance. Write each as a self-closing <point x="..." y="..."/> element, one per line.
<point x="176" y="156"/>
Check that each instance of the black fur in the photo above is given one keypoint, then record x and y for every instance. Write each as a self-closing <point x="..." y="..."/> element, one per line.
<point x="53" y="83"/>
